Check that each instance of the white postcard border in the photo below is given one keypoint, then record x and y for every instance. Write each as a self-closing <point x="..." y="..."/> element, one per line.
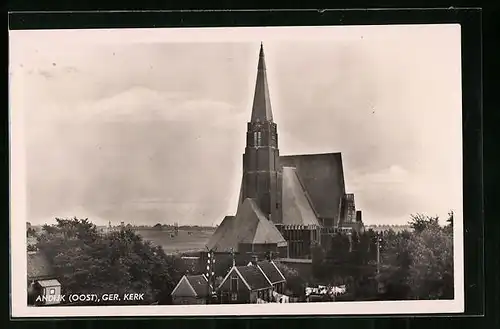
<point x="19" y="307"/>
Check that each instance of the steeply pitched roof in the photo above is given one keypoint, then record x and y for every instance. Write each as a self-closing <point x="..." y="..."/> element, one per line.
<point x="249" y="225"/>
<point x="296" y="207"/>
<point x="199" y="284"/>
<point x="322" y="176"/>
<point x="222" y="231"/>
<point x="38" y="266"/>
<point x="271" y="272"/>
<point x="261" y="109"/>
<point x="253" y="277"/>
<point x="191" y="286"/>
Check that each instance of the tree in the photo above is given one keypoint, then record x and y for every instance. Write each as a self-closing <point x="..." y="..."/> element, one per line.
<point x="295" y="284"/>
<point x="118" y="262"/>
<point x="30" y="231"/>
<point x="431" y="269"/>
<point x="418" y="265"/>
<point x="420" y="222"/>
<point x="449" y="221"/>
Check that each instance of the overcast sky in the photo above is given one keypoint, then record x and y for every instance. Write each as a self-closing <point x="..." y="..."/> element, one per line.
<point x="148" y="126"/>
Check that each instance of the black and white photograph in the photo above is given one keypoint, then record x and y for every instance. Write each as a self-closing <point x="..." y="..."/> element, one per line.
<point x="236" y="171"/>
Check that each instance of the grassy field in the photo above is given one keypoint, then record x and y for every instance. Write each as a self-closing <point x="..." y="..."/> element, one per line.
<point x="185" y="241"/>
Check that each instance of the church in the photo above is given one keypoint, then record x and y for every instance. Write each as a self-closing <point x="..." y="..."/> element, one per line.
<point x="287" y="204"/>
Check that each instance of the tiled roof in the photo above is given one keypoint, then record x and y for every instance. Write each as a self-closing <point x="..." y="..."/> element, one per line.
<point x="271" y="272"/>
<point x="323" y="178"/>
<point x="199" y="284"/>
<point x="253" y="277"/>
<point x="297" y="209"/>
<point x="191" y="286"/>
<point x="38" y="266"/>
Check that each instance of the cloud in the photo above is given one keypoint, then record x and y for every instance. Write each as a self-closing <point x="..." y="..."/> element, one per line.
<point x="392" y="194"/>
<point x="141" y="104"/>
<point x="141" y="153"/>
<point x="113" y="126"/>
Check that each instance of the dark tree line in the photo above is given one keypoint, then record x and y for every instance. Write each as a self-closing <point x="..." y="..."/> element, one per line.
<point x="412" y="264"/>
<point x="86" y="261"/>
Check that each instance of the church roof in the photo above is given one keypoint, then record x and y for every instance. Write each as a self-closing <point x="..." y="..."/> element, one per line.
<point x="223" y="230"/>
<point x="296" y="207"/>
<point x="261" y="109"/>
<point x="249" y="225"/>
<point x="322" y="176"/>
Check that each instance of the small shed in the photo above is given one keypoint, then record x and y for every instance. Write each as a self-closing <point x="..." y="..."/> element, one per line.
<point x="43" y="287"/>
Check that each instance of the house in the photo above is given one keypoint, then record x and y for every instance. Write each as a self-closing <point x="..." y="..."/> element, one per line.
<point x="272" y="274"/>
<point x="191" y="290"/>
<point x="288" y="204"/>
<point x="43" y="287"/>
<point x="251" y="284"/>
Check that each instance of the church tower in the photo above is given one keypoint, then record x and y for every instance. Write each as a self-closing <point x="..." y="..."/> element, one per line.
<point x="261" y="177"/>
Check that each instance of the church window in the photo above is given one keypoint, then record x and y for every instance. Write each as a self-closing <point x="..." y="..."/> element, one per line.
<point x="259" y="138"/>
<point x="277" y="205"/>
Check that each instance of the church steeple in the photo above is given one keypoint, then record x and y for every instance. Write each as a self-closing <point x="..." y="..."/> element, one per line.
<point x="261" y="159"/>
<point x="261" y="110"/>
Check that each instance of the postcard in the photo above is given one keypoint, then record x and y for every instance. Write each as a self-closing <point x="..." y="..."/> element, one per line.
<point x="236" y="171"/>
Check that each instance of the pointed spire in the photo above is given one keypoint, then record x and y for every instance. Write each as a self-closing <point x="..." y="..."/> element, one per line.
<point x="261" y="110"/>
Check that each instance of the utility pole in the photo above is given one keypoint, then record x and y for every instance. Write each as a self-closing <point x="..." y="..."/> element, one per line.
<point x="379" y="239"/>
<point x="210" y="274"/>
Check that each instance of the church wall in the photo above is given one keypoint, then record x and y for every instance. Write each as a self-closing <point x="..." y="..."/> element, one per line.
<point x="299" y="242"/>
<point x="263" y="158"/>
<point x="250" y="159"/>
<point x="261" y="250"/>
<point x="277" y="216"/>
<point x="250" y="188"/>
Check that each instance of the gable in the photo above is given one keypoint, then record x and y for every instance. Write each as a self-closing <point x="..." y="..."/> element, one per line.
<point x="199" y="283"/>
<point x="322" y="176"/>
<point x="225" y="284"/>
<point x="297" y="208"/>
<point x="183" y="289"/>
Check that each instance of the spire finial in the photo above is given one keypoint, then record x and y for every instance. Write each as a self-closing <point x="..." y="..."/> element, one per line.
<point x="261" y="109"/>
